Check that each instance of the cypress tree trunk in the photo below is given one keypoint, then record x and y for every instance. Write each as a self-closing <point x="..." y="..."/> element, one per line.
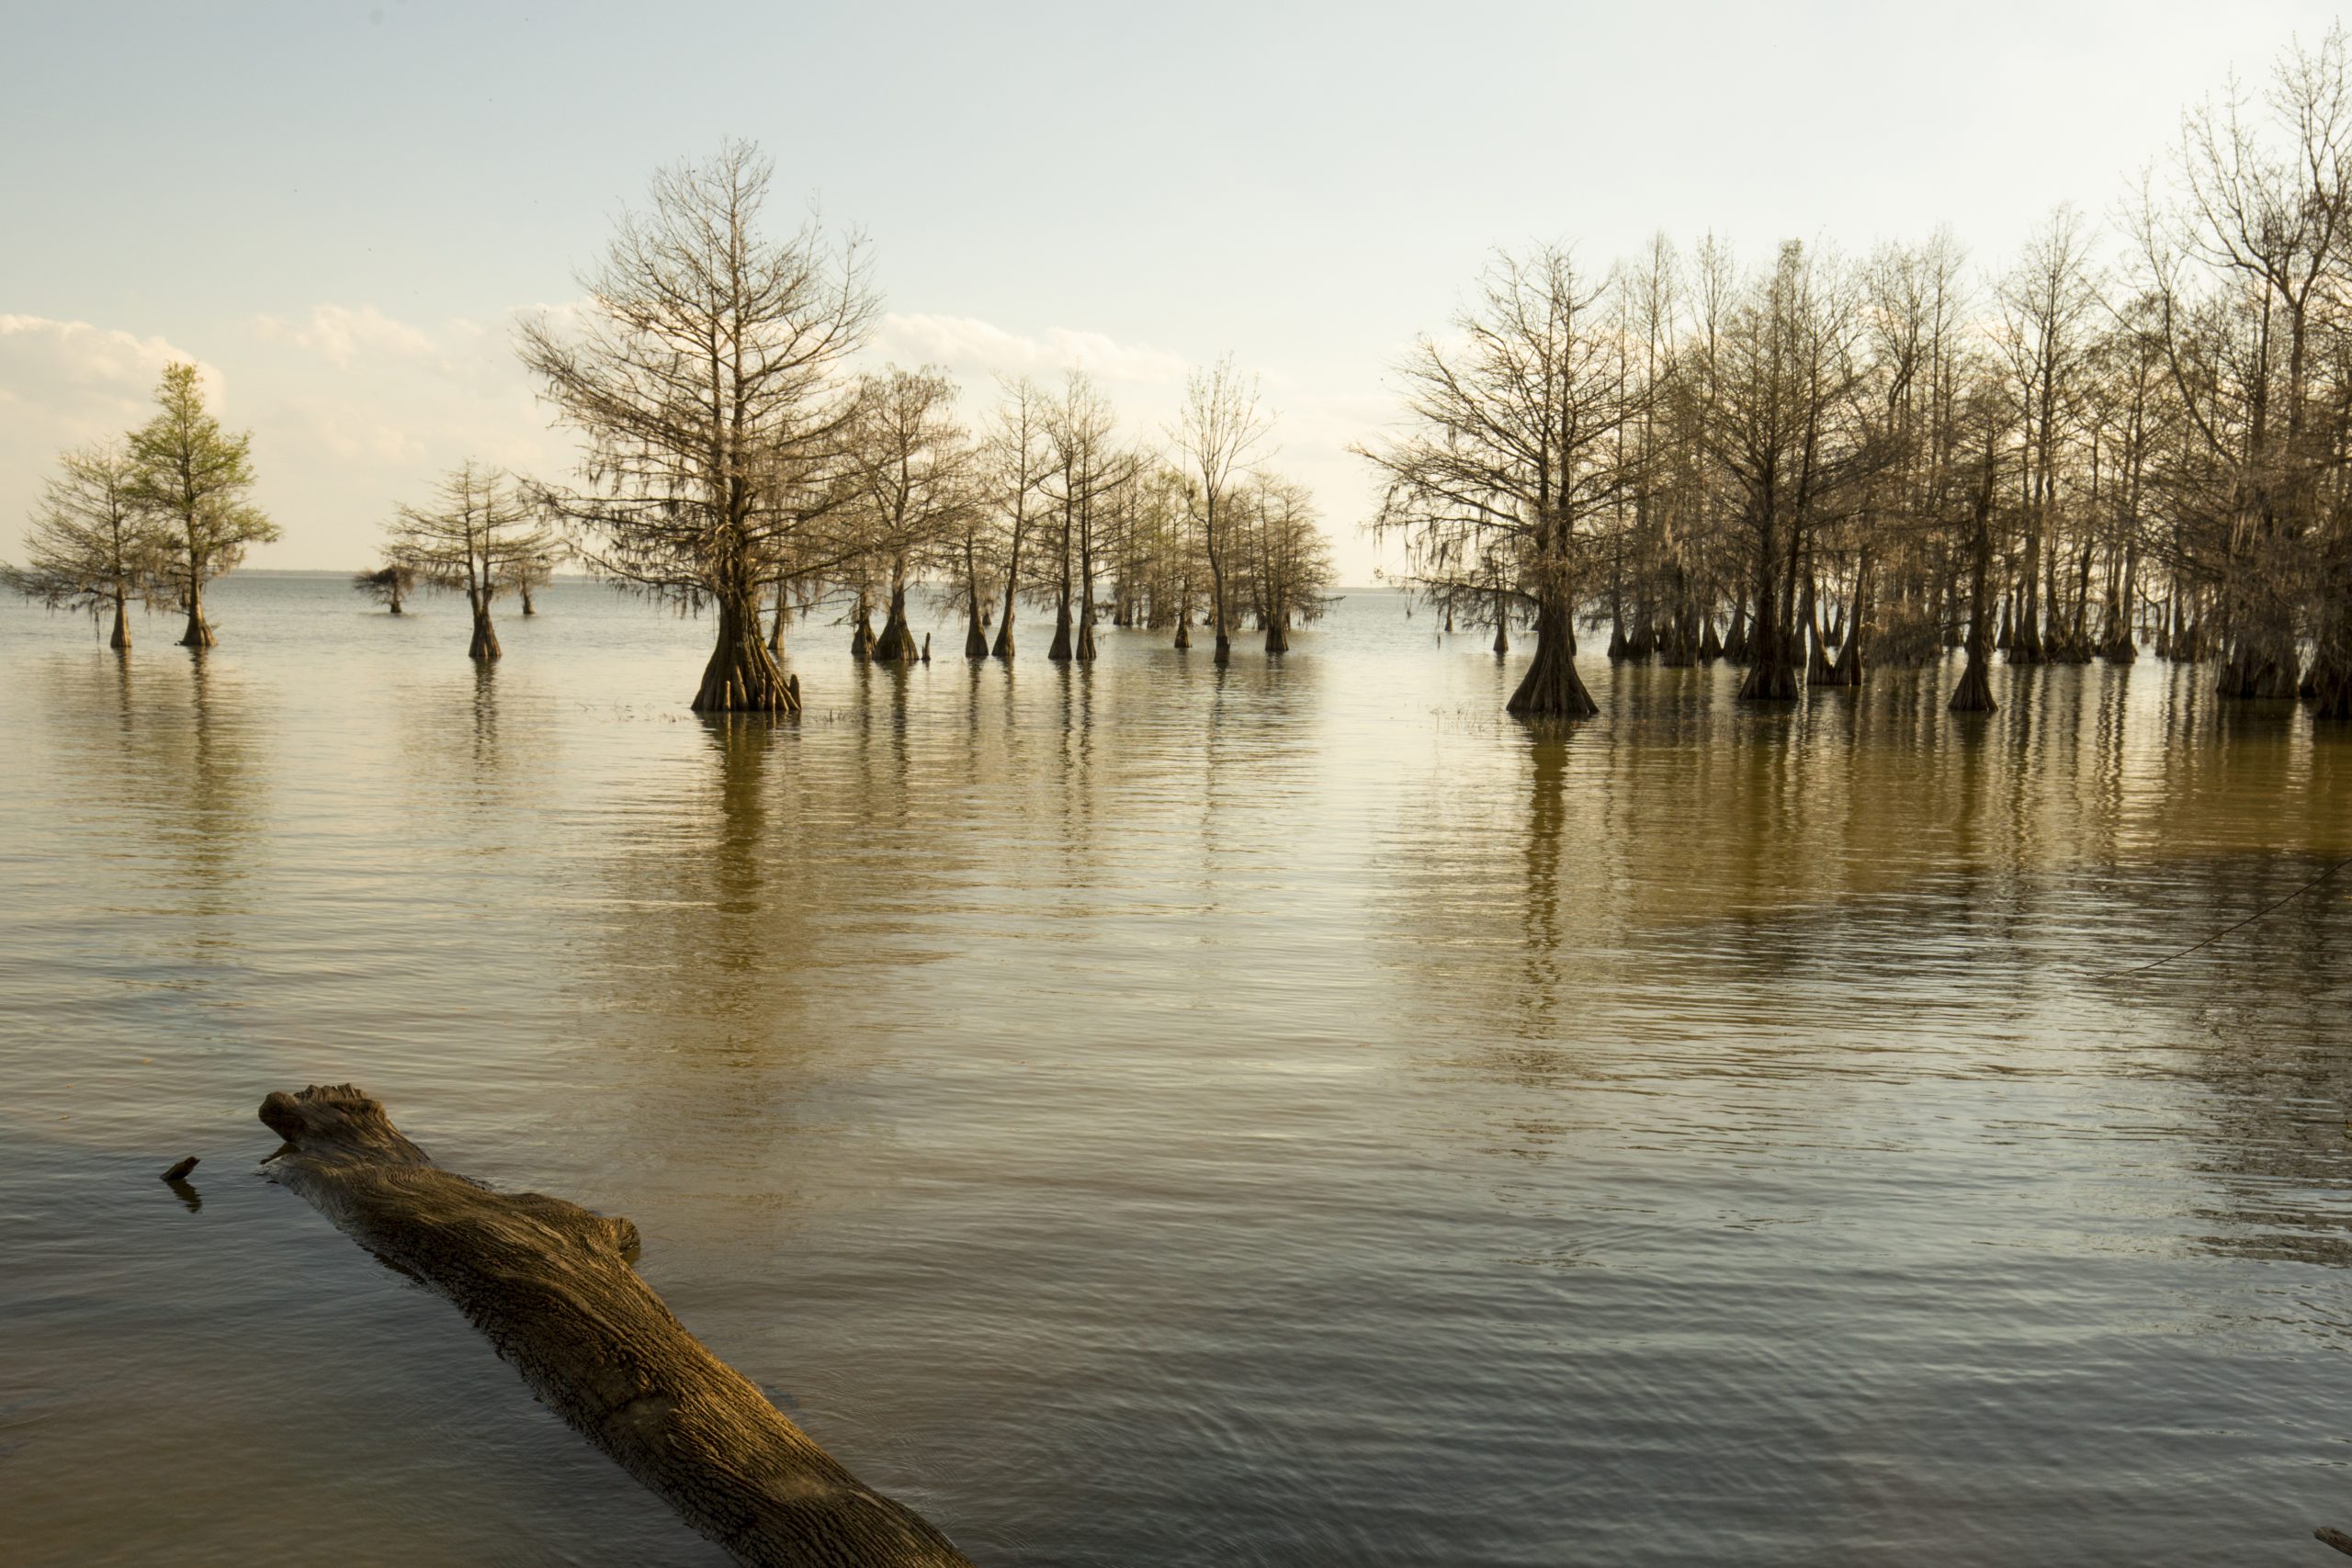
<point x="1772" y="672"/>
<point x="1058" y="651"/>
<point x="485" y="644"/>
<point x="976" y="634"/>
<point x="1710" y="647"/>
<point x="897" y="640"/>
<point x="775" y="625"/>
<point x="1184" y="631"/>
<point x="1085" y="649"/>
<point x="743" y="676"/>
<point x="2331" y="690"/>
<point x="1004" y="648"/>
<point x="1551" y="688"/>
<point x="1975" y="693"/>
<point x="1278" y="632"/>
<point x="121" y="636"/>
<point x="200" y="630"/>
<point x="861" y="641"/>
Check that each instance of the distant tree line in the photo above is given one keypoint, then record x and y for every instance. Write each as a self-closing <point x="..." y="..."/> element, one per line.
<point x="1815" y="464"/>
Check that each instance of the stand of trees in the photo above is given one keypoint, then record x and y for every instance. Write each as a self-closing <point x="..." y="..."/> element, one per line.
<point x="1817" y="463"/>
<point x="154" y="518"/>
<point x="480" y="535"/>
<point x="730" y="460"/>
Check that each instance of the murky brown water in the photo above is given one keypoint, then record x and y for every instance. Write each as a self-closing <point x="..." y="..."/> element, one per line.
<point x="1146" y="1115"/>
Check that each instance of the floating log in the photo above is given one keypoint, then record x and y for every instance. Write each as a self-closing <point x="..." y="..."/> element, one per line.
<point x="2333" y="1537"/>
<point x="550" y="1285"/>
<point x="179" y="1170"/>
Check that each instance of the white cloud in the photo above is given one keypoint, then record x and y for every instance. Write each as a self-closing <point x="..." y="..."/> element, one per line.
<point x="341" y="334"/>
<point x="81" y="381"/>
<point x="973" y="348"/>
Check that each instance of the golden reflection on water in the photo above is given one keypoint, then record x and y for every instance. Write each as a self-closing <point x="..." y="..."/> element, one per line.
<point x="1156" y="1113"/>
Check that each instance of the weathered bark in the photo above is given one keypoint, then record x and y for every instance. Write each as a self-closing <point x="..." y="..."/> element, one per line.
<point x="1975" y="693"/>
<point x="1551" y="688"/>
<point x="1059" y="650"/>
<point x="484" y="647"/>
<point x="1278" y="633"/>
<point x="976" y="635"/>
<point x="200" y="630"/>
<point x="897" y="639"/>
<point x="549" y="1285"/>
<point x="1771" y="671"/>
<point x="742" y="675"/>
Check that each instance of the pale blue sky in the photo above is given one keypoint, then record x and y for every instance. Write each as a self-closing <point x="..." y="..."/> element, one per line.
<point x="336" y="208"/>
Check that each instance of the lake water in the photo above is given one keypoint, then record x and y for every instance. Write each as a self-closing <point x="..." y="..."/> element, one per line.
<point x="1150" y="1114"/>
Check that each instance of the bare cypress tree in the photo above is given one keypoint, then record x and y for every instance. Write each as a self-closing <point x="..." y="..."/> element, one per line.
<point x="706" y="378"/>
<point x="1782" y="421"/>
<point x="1511" y="455"/>
<point x="90" y="547"/>
<point x="191" y="477"/>
<point x="1220" y="434"/>
<point x="389" y="585"/>
<point x="1018" y="459"/>
<point x="470" y="538"/>
<point x="913" y="468"/>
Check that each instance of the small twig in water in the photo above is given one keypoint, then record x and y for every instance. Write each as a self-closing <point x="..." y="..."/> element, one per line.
<point x="2258" y="914"/>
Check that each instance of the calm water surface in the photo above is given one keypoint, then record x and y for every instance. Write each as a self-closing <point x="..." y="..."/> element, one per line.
<point x="1150" y="1115"/>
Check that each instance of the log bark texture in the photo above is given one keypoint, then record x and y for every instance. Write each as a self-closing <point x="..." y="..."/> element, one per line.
<point x="550" y="1285"/>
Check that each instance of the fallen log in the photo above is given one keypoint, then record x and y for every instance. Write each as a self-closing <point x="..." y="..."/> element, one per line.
<point x="550" y="1285"/>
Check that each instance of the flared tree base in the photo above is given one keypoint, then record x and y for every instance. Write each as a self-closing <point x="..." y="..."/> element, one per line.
<point x="743" y="676"/>
<point x="1975" y="693"/>
<point x="1769" y="679"/>
<point x="1551" y="688"/>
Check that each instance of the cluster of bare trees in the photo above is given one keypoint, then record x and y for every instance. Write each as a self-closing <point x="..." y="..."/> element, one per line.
<point x="479" y="534"/>
<point x="154" y="517"/>
<point x="1814" y="463"/>
<point x="734" y="462"/>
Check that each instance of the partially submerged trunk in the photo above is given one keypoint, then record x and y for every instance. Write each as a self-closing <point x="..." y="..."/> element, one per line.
<point x="484" y="647"/>
<point x="897" y="639"/>
<point x="1551" y="688"/>
<point x="976" y="635"/>
<point x="549" y="1284"/>
<point x="742" y="675"/>
<point x="200" y="630"/>
<point x="1975" y="693"/>
<point x="120" y="638"/>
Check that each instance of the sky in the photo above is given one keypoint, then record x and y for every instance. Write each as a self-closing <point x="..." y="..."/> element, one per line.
<point x="337" y="210"/>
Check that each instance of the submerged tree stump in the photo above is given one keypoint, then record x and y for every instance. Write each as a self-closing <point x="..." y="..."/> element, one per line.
<point x="550" y="1285"/>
